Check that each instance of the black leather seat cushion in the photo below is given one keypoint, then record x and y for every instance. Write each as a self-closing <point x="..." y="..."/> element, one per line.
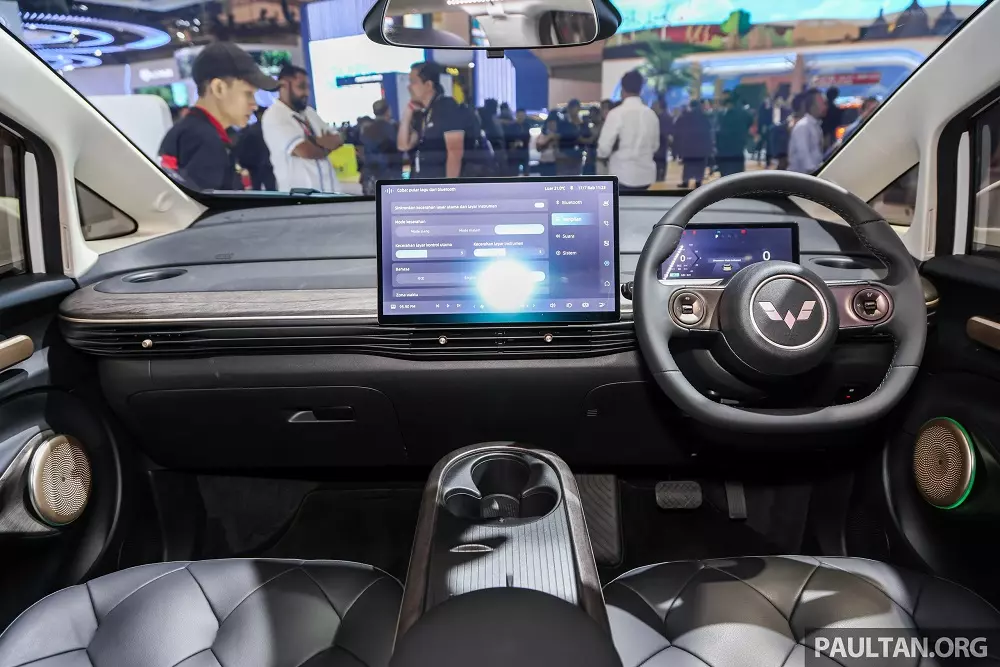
<point x="219" y="613"/>
<point x="761" y="612"/>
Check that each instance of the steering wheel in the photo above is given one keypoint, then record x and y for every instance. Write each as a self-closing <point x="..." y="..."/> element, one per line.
<point x="779" y="319"/>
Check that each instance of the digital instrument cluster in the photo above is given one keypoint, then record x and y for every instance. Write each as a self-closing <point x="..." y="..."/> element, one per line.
<point x="715" y="252"/>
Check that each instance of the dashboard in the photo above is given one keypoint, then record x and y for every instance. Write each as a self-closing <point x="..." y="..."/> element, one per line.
<point x="250" y="319"/>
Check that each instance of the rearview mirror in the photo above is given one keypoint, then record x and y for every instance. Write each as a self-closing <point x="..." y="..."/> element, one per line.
<point x="493" y="25"/>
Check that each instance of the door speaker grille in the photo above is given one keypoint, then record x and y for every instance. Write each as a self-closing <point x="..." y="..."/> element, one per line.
<point x="59" y="480"/>
<point x="944" y="463"/>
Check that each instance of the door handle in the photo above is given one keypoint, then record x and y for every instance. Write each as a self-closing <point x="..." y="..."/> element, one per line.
<point x="14" y="350"/>
<point x="984" y="331"/>
<point x="340" y="414"/>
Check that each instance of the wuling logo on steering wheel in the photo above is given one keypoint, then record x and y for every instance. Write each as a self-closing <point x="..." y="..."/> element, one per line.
<point x="772" y="313"/>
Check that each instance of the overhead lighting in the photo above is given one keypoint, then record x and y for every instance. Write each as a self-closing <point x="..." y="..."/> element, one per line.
<point x="98" y="53"/>
<point x="180" y="35"/>
<point x="87" y="34"/>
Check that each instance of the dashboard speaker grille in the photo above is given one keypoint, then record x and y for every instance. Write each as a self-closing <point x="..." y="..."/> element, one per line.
<point x="944" y="463"/>
<point x="59" y="480"/>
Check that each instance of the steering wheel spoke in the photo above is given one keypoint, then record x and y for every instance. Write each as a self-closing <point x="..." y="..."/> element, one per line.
<point x="694" y="309"/>
<point x="862" y="305"/>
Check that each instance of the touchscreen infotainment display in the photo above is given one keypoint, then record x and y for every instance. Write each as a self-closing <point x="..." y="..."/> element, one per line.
<point x="711" y="252"/>
<point x="526" y="250"/>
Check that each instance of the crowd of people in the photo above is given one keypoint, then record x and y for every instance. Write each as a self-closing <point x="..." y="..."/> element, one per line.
<point x="216" y="146"/>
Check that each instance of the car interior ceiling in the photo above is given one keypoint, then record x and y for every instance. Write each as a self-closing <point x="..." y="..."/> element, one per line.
<point x="215" y="452"/>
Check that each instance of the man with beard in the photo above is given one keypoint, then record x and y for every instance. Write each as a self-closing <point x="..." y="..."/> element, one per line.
<point x="298" y="139"/>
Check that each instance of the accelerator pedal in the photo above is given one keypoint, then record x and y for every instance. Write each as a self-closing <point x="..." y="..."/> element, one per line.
<point x="599" y="494"/>
<point x="736" y="498"/>
<point x="682" y="495"/>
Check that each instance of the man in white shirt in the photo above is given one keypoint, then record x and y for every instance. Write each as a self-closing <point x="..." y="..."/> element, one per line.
<point x="805" y="148"/>
<point x="299" y="141"/>
<point x="630" y="137"/>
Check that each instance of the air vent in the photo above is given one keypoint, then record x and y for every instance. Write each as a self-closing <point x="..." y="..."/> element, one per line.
<point x="403" y="342"/>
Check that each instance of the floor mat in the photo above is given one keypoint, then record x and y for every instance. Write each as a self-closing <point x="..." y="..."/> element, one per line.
<point x="244" y="514"/>
<point x="653" y="535"/>
<point x="282" y="519"/>
<point x="373" y="526"/>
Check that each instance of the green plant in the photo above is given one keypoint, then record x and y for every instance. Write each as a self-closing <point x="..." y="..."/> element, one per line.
<point x="735" y="28"/>
<point x="659" y="67"/>
<point x="737" y="22"/>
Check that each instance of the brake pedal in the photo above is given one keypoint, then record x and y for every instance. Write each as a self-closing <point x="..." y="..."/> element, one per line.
<point x="599" y="495"/>
<point x="683" y="495"/>
<point x="736" y="498"/>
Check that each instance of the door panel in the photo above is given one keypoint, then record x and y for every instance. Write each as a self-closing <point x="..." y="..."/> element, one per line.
<point x="949" y="528"/>
<point x="46" y="389"/>
<point x="960" y="380"/>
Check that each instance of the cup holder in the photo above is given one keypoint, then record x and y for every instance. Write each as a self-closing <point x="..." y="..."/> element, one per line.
<point x="153" y="276"/>
<point x="504" y="487"/>
<point x="501" y="476"/>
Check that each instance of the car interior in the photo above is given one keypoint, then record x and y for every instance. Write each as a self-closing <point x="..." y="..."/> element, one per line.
<point x="714" y="428"/>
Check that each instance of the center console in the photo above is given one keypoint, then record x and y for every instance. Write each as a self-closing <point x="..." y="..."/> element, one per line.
<point x="500" y="516"/>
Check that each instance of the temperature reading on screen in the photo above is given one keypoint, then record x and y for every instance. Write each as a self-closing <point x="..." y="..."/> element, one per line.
<point x="767" y="255"/>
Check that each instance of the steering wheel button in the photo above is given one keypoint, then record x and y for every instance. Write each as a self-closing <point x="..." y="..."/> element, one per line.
<point x="689" y="308"/>
<point x="870" y="304"/>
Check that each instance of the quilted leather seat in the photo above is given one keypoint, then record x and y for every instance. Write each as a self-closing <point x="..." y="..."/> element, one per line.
<point x="764" y="612"/>
<point x="220" y="613"/>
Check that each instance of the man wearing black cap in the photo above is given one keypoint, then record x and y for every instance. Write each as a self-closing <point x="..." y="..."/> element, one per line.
<point x="198" y="147"/>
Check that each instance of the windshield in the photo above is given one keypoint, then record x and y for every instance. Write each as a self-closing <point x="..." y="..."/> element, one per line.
<point x="290" y="97"/>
